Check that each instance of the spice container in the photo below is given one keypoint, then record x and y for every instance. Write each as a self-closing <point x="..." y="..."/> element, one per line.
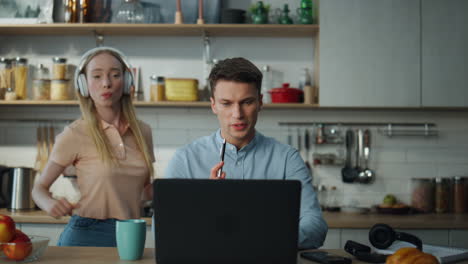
<point x="333" y="200"/>
<point x="59" y="90"/>
<point x="10" y="95"/>
<point x="41" y="89"/>
<point x="442" y="195"/>
<point x="59" y="69"/>
<point x="459" y="195"/>
<point x="20" y="70"/>
<point x="322" y="196"/>
<point x="157" y="88"/>
<point x="422" y="195"/>
<point x="5" y="76"/>
<point x="41" y="84"/>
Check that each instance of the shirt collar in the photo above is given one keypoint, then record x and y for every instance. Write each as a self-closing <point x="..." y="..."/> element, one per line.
<point x="250" y="145"/>
<point x="106" y="125"/>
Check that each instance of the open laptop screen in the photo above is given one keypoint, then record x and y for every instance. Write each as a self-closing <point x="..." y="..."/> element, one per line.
<point x="226" y="221"/>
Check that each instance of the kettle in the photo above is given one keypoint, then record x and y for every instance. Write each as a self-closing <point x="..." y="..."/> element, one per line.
<point x="15" y="188"/>
<point x="5" y="186"/>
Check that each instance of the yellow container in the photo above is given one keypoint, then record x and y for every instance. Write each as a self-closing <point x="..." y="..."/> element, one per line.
<point x="179" y="89"/>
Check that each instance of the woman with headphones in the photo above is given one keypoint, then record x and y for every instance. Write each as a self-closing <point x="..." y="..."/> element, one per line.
<point x="111" y="150"/>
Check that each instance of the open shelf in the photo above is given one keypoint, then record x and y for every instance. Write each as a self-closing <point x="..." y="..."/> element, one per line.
<point x="145" y="104"/>
<point x="235" y="30"/>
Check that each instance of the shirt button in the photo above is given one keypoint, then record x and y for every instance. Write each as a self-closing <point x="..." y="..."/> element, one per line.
<point x="121" y="144"/>
<point x="238" y="163"/>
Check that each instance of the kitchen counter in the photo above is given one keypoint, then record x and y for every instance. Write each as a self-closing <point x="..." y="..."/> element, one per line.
<point x="41" y="217"/>
<point x="334" y="220"/>
<point x="106" y="255"/>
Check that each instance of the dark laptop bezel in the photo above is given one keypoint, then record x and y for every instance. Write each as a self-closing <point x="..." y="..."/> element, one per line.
<point x="199" y="225"/>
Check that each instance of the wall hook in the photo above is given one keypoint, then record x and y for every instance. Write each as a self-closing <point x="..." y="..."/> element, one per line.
<point x="99" y="39"/>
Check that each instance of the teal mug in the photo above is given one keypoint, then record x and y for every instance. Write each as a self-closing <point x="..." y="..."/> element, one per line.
<point x="130" y="236"/>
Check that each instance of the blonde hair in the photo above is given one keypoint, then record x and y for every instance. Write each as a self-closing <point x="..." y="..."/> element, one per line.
<point x="89" y="115"/>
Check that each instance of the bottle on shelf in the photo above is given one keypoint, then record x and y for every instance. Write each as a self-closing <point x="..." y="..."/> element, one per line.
<point x="157" y="88"/>
<point x="129" y="12"/>
<point x="319" y="135"/>
<point x="305" y="84"/>
<point x="20" y="70"/>
<point x="267" y="84"/>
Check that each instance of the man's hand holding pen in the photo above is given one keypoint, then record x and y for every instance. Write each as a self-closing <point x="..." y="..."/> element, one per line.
<point x="217" y="171"/>
<point x="214" y="172"/>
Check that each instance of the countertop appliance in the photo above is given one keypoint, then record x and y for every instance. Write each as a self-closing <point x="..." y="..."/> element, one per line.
<point x="15" y="188"/>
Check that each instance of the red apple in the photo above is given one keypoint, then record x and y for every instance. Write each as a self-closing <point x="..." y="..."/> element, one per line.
<point x="19" y="248"/>
<point x="7" y="228"/>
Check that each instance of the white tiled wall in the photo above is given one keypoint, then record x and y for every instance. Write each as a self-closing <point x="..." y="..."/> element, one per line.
<point x="395" y="160"/>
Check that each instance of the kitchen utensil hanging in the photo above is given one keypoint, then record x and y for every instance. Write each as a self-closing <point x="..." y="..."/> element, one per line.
<point x="307" y="148"/>
<point x="366" y="175"/>
<point x="359" y="149"/>
<point x="348" y="173"/>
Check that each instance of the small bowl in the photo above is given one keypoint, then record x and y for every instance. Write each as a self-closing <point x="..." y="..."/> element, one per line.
<point x="39" y="246"/>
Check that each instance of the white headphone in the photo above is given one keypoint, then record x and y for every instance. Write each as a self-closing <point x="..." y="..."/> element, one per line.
<point x="80" y="78"/>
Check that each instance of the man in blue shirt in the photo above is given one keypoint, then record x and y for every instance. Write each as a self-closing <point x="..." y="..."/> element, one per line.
<point x="236" y="100"/>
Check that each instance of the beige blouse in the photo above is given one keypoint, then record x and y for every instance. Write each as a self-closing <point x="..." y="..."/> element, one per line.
<point x="107" y="191"/>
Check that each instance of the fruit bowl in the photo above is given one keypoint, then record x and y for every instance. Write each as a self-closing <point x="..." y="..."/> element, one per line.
<point x="39" y="245"/>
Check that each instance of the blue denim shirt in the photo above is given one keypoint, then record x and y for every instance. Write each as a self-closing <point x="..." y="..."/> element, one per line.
<point x="262" y="158"/>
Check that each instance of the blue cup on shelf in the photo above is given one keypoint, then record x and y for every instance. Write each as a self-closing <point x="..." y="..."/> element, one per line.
<point x="131" y="236"/>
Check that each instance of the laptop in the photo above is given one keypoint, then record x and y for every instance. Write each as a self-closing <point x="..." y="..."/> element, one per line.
<point x="226" y="221"/>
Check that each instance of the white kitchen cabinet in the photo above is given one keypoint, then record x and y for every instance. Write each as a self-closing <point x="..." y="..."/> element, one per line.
<point x="53" y="232"/>
<point x="444" y="53"/>
<point x="333" y="239"/>
<point x="358" y="235"/>
<point x="370" y="53"/>
<point x="458" y="238"/>
<point x="439" y="237"/>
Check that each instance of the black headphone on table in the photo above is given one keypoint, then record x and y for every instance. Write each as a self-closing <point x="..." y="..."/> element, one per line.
<point x="381" y="236"/>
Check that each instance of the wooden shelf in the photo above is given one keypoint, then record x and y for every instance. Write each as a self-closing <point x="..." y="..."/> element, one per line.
<point x="292" y="106"/>
<point x="146" y="104"/>
<point x="235" y="30"/>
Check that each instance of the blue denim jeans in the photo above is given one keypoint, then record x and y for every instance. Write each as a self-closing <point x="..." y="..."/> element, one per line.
<point x="88" y="232"/>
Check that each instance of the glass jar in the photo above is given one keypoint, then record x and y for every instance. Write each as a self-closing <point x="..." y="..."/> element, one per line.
<point x="10" y="95"/>
<point x="442" y="195"/>
<point x="5" y="76"/>
<point x="422" y="195"/>
<point x="322" y="196"/>
<point x="459" y="195"/>
<point x="41" y="72"/>
<point x="333" y="200"/>
<point x="59" y="69"/>
<point x="157" y="88"/>
<point x="59" y="90"/>
<point x="41" y="89"/>
<point x="129" y="12"/>
<point x="20" y="70"/>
